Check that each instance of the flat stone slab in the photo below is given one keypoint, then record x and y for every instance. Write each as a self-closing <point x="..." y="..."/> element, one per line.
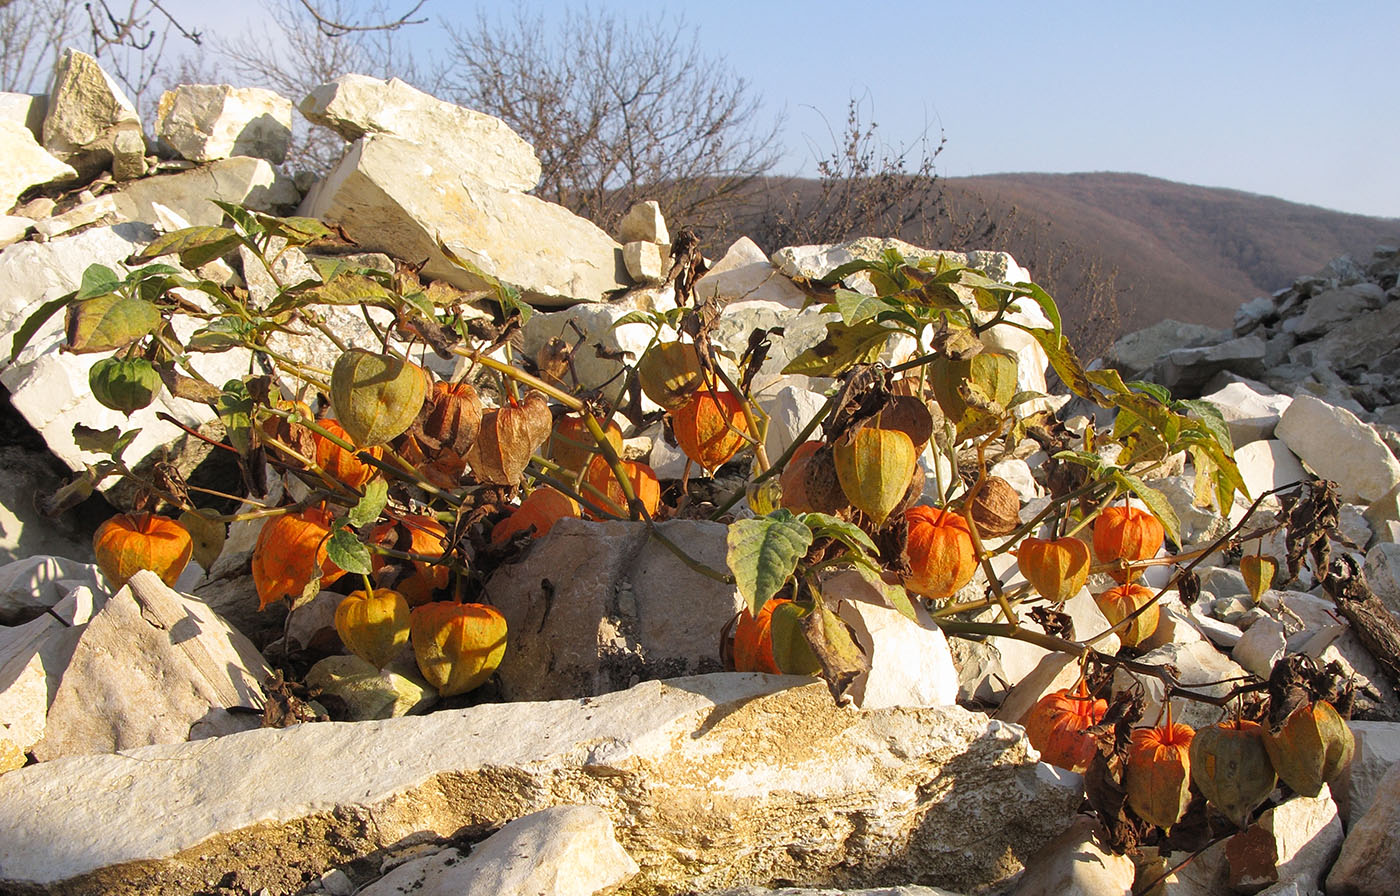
<point x="711" y="781"/>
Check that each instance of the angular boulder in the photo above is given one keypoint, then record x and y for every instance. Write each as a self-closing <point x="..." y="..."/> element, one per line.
<point x="27" y="164"/>
<point x="710" y="781"/>
<point x="91" y="124"/>
<point x="468" y="142"/>
<point x="396" y="196"/>
<point x="596" y="607"/>
<point x="1338" y="446"/>
<point x="204" y="122"/>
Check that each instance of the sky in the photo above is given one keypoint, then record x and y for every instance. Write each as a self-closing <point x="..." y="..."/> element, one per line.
<point x="1299" y="100"/>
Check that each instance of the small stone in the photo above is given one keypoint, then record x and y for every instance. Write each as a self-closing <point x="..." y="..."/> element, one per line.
<point x="644" y="262"/>
<point x="644" y="222"/>
<point x="1369" y="863"/>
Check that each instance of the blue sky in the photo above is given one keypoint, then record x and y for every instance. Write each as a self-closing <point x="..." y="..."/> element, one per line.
<point x="1291" y="99"/>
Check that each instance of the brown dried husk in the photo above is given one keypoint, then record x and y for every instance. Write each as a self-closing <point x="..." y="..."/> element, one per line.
<point x="997" y="508"/>
<point x="508" y="437"/>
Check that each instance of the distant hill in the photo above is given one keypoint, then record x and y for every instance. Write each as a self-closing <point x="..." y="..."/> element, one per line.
<point x="1181" y="251"/>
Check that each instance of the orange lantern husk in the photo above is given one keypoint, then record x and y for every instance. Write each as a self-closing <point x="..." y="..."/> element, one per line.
<point x="290" y="553"/>
<point x="940" y="551"/>
<point x="1127" y="534"/>
<point x="1157" y="774"/>
<point x="341" y="465"/>
<point x="457" y="646"/>
<point x="537" y="514"/>
<point x="711" y="427"/>
<point x="1056" y="568"/>
<point x="1057" y="727"/>
<point x="130" y="542"/>
<point x="413" y="534"/>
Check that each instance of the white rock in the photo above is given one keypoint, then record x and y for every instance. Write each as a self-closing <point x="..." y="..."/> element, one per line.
<point x="1326" y="310"/>
<point x="1200" y="667"/>
<point x="27" y="164"/>
<point x="467" y="143"/>
<point x="13" y="228"/>
<point x="252" y="183"/>
<point x="1377" y="750"/>
<point x="24" y="530"/>
<point x="744" y="274"/>
<point x="1017" y="474"/>
<point x="152" y="667"/>
<point x="609" y="617"/>
<point x="1175" y="625"/>
<point x="1338" y="446"/>
<point x="703" y="788"/>
<point x="644" y="222"/>
<point x="1369" y="863"/>
<point x="1261" y="646"/>
<point x="1041" y="670"/>
<point x="1251" y="409"/>
<point x="789" y="409"/>
<point x="1382" y="573"/>
<point x="563" y="850"/>
<point x="90" y="121"/>
<point x="1077" y="863"/>
<point x="204" y="122"/>
<point x="910" y="664"/>
<point x="392" y="195"/>
<point x="1293" y="843"/>
<point x="599" y="324"/>
<point x="644" y="262"/>
<point x="25" y="108"/>
<point x="1264" y="465"/>
<point x="32" y="585"/>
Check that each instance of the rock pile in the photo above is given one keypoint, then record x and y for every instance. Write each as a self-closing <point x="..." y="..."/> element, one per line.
<point x="621" y="757"/>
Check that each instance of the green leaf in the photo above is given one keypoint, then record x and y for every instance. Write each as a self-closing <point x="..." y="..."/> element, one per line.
<point x="894" y="595"/>
<point x="1064" y="362"/>
<point x="235" y="409"/>
<point x="763" y="553"/>
<point x="369" y="507"/>
<point x="841" y="272"/>
<point x="1156" y="502"/>
<point x="346" y="551"/>
<point x="1087" y="459"/>
<point x="842" y="661"/>
<point x="34" y="322"/>
<point x="246" y="220"/>
<point x="98" y="280"/>
<point x="97" y="441"/>
<point x="1047" y="305"/>
<point x="194" y="245"/>
<point x="824" y="525"/>
<point x="842" y="348"/>
<point x="296" y="231"/>
<point x="856" y="307"/>
<point x="109" y="322"/>
<point x="636" y="317"/>
<point x="347" y="289"/>
<point x="222" y="334"/>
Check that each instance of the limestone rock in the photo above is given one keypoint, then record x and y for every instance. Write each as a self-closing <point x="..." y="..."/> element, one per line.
<point x="1369" y="863"/>
<point x="1377" y="750"/>
<point x="600" y="323"/>
<point x="27" y="109"/>
<point x="1265" y="465"/>
<point x="1135" y="353"/>
<point x="252" y="183"/>
<point x="644" y="222"/>
<point x="594" y="608"/>
<point x="393" y="195"/>
<point x="1251" y="409"/>
<point x="1292" y="843"/>
<point x="910" y="664"/>
<point x="13" y="228"/>
<point x="90" y="121"/>
<point x="466" y="142"/>
<point x="24" y="531"/>
<point x="27" y="164"/>
<point x="1077" y="863"/>
<point x="744" y="274"/>
<point x="1261" y="646"/>
<point x="1338" y="446"/>
<point x="562" y="851"/>
<point x="817" y="261"/>
<point x="644" y="262"/>
<point x="204" y="122"/>
<point x="31" y="586"/>
<point x="1199" y="667"/>
<point x="1382" y="572"/>
<point x="1325" y="310"/>
<point x="1186" y="370"/>
<point x="148" y="668"/>
<point x="710" y="781"/>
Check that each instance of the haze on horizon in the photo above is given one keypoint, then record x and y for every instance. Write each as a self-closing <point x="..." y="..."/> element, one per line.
<point x="1286" y="98"/>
